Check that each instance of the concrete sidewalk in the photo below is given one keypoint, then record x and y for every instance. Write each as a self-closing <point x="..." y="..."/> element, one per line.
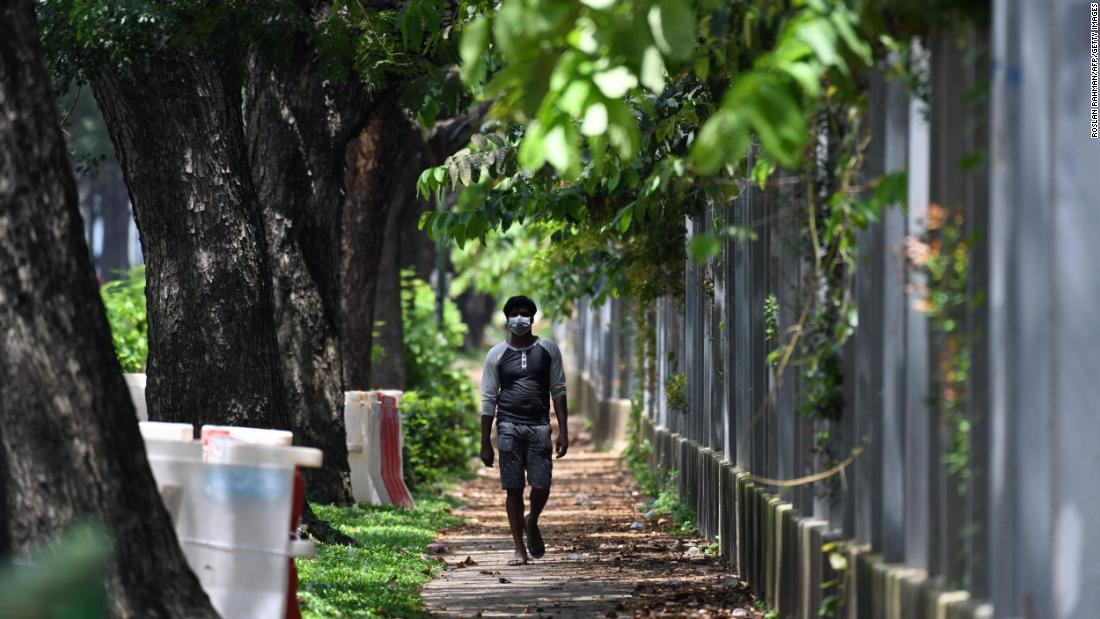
<point x="595" y="564"/>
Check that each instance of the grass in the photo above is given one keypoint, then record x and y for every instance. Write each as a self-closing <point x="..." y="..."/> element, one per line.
<point x="382" y="577"/>
<point x="660" y="489"/>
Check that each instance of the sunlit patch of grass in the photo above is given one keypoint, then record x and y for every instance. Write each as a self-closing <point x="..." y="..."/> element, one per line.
<point x="382" y="577"/>
<point x="660" y="489"/>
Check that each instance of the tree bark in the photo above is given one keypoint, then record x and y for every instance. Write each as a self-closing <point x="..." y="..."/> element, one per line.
<point x="389" y="372"/>
<point x="175" y="121"/>
<point x="381" y="236"/>
<point x="378" y="163"/>
<point x="298" y="127"/>
<point x="115" y="211"/>
<point x="70" y="437"/>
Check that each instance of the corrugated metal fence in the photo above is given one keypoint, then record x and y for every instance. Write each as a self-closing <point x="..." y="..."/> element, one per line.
<point x="1001" y="144"/>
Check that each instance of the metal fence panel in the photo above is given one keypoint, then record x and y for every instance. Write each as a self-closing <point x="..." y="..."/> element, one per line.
<point x="894" y="333"/>
<point x="918" y="432"/>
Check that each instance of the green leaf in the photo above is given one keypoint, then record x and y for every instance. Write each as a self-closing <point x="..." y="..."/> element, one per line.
<point x="822" y="38"/>
<point x="556" y="147"/>
<point x="838" y="561"/>
<point x="472" y="49"/>
<point x="653" y="70"/>
<point x="672" y="23"/>
<point x="808" y="76"/>
<point x="595" y="120"/>
<point x="761" y="170"/>
<point x="622" y="130"/>
<point x="531" y="153"/>
<point x="615" y="83"/>
<point x="612" y="179"/>
<point x="562" y="148"/>
<point x="703" y="246"/>
<point x="625" y="216"/>
<point x="427" y="114"/>
<point x="573" y="100"/>
<point x="465" y="172"/>
<point x="723" y="138"/>
<point x="842" y="21"/>
<point x="774" y="113"/>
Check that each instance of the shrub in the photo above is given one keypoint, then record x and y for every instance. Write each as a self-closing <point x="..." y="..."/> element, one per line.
<point x="441" y="435"/>
<point x="125" y="302"/>
<point x="440" y="409"/>
<point x="431" y="350"/>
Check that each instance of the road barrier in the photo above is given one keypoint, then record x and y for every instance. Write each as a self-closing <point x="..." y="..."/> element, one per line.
<point x="375" y="446"/>
<point x="364" y="449"/>
<point x="231" y="497"/>
<point x="135" y="383"/>
<point x="392" y="448"/>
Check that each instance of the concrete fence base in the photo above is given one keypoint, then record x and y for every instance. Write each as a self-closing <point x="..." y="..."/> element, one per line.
<point x="608" y="416"/>
<point x="778" y="552"/>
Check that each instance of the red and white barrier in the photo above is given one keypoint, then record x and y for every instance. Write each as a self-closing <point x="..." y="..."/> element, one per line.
<point x="393" y="443"/>
<point x="364" y="449"/>
<point x="375" y="446"/>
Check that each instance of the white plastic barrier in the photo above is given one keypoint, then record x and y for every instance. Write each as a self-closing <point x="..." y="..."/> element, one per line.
<point x="233" y="511"/>
<point x="243" y="553"/>
<point x="364" y="448"/>
<point x="135" y="383"/>
<point x="172" y="453"/>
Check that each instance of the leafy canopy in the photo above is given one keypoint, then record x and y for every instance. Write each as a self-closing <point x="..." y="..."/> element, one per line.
<point x="614" y="120"/>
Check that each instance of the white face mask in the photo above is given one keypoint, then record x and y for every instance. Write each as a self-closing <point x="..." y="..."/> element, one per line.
<point x="520" y="325"/>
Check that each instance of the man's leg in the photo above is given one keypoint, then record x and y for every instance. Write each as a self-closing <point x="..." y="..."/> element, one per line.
<point x="513" y="460"/>
<point x="539" y="467"/>
<point x="514" y="505"/>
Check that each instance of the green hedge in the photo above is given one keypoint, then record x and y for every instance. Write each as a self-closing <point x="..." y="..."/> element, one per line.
<point x="440" y="409"/>
<point x="441" y="435"/>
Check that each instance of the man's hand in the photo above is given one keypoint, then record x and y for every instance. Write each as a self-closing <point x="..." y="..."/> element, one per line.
<point x="487" y="454"/>
<point x="562" y="443"/>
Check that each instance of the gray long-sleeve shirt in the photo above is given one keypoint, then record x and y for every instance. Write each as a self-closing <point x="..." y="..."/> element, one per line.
<point x="518" y="382"/>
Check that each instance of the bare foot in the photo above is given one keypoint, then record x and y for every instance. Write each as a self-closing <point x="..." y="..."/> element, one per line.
<point x="534" y="538"/>
<point x="520" y="558"/>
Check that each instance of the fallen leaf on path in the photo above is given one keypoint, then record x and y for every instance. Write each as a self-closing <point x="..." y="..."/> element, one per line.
<point x="503" y="580"/>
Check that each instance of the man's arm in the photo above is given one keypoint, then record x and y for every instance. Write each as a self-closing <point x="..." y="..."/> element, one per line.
<point x="486" y="441"/>
<point x="490" y="391"/>
<point x="557" y="392"/>
<point x="561" y="409"/>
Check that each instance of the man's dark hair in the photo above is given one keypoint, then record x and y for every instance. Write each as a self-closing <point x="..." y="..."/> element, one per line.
<point x="517" y="302"/>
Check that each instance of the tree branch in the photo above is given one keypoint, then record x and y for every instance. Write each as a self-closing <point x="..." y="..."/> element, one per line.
<point x="449" y="136"/>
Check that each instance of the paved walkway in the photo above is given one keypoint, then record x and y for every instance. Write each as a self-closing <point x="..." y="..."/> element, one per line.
<point x="595" y="565"/>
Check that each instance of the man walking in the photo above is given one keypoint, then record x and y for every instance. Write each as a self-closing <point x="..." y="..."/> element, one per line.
<point x="521" y="374"/>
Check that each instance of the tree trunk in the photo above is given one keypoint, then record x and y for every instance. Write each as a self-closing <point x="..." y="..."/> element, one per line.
<point x="175" y="121"/>
<point x="477" y="310"/>
<point x="378" y="161"/>
<point x="381" y="236"/>
<point x="298" y="128"/>
<point x="389" y="372"/>
<point x="70" y="436"/>
<point x="115" y="211"/>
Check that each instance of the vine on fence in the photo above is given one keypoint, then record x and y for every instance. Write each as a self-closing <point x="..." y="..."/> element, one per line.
<point x="944" y="255"/>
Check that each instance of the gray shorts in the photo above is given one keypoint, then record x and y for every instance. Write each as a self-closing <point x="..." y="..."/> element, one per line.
<point x="524" y="447"/>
